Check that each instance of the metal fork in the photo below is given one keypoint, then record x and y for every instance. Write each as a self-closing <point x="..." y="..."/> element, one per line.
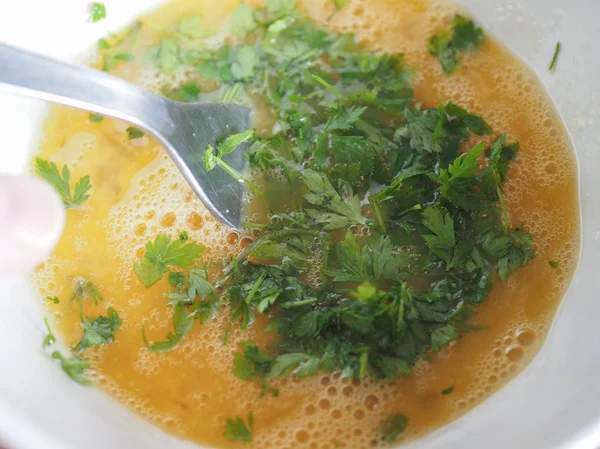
<point x="184" y="129"/>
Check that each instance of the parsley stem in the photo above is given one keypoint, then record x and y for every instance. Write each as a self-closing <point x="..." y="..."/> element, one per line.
<point x="379" y="214"/>
<point x="409" y="210"/>
<point x="250" y="225"/>
<point x="255" y="288"/>
<point x="327" y="85"/>
<point x="226" y="334"/>
<point x="304" y="302"/>
<point x="555" y="57"/>
<point x="232" y="94"/>
<point x="326" y="243"/>
<point x="505" y="216"/>
<point x="225" y="166"/>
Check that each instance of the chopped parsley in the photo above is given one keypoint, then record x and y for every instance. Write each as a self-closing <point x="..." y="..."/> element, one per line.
<point x="163" y="253"/>
<point x="242" y="20"/>
<point x="555" y="57"/>
<point x="554" y="264"/>
<point x="393" y="427"/>
<point x="85" y="288"/>
<point x="97" y="11"/>
<point x="50" y="338"/>
<point x="99" y="331"/>
<point x="53" y="299"/>
<point x="96" y="118"/>
<point x="188" y="92"/>
<point x="237" y="430"/>
<point x="230" y="144"/>
<point x="182" y="323"/>
<point x="134" y="133"/>
<point x="75" y="367"/>
<point x="254" y="364"/>
<point x="110" y="61"/>
<point x="96" y="332"/>
<point x="448" y="390"/>
<point x="466" y="36"/>
<point x="385" y="229"/>
<point x="119" y="48"/>
<point x="61" y="181"/>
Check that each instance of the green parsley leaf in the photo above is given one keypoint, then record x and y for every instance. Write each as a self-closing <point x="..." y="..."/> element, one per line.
<point x="230" y="144"/>
<point x="448" y="390"/>
<point x="443" y="335"/>
<point x="390" y="367"/>
<point x="443" y="48"/>
<point x="199" y="285"/>
<point x="442" y="242"/>
<point x="210" y="159"/>
<point x="163" y="253"/>
<point x="85" y="288"/>
<point x="475" y="123"/>
<point x="190" y="29"/>
<point x="286" y="363"/>
<point x="103" y="44"/>
<point x="100" y="330"/>
<point x="340" y="212"/>
<point x="166" y="55"/>
<point x="188" y="92"/>
<point x="242" y="20"/>
<point x="458" y="181"/>
<point x="367" y="292"/>
<point x="182" y="324"/>
<point x="61" y="181"/>
<point x="519" y="254"/>
<point x="53" y="299"/>
<point x="254" y="364"/>
<point x="134" y="133"/>
<point x="393" y="427"/>
<point x="554" y="264"/>
<point x="466" y="35"/>
<point x="237" y="430"/>
<point x="375" y="261"/>
<point x="176" y="279"/>
<point x="96" y="118"/>
<point x="350" y="150"/>
<point x="75" y="367"/>
<point x="97" y="11"/>
<point x="112" y="60"/>
<point x="245" y="63"/>
<point x="344" y="118"/>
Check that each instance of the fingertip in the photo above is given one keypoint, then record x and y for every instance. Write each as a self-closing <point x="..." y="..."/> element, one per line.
<point x="32" y="218"/>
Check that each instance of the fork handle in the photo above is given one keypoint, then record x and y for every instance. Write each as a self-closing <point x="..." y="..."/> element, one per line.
<point x="38" y="76"/>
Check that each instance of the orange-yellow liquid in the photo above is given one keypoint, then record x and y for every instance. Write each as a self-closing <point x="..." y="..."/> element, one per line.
<point x="138" y="193"/>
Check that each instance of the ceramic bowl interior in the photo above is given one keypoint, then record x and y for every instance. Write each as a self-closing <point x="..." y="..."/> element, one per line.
<point x="553" y="404"/>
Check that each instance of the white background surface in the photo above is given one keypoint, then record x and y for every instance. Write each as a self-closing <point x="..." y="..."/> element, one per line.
<point x="553" y="404"/>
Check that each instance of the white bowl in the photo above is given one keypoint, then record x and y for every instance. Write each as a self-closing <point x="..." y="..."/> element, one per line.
<point x="554" y="403"/>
